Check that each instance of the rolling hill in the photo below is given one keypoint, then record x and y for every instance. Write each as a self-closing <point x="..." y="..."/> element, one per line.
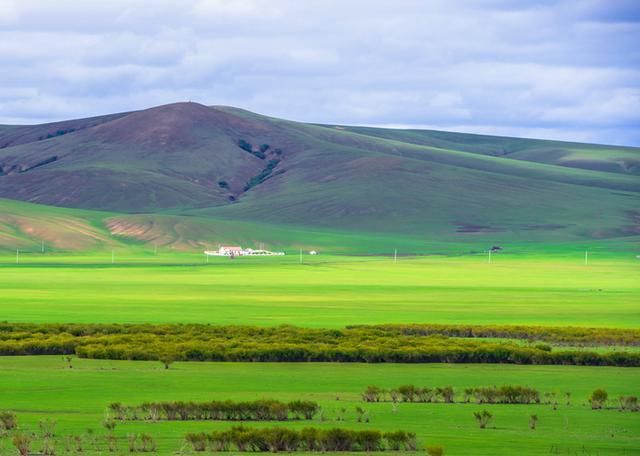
<point x="189" y="175"/>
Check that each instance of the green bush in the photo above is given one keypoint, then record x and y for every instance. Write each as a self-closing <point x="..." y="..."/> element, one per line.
<point x="259" y="410"/>
<point x="598" y="399"/>
<point x="8" y="421"/>
<point x="278" y="439"/>
<point x="193" y="342"/>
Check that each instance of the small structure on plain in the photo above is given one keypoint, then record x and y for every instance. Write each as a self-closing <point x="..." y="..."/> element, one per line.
<point x="236" y="250"/>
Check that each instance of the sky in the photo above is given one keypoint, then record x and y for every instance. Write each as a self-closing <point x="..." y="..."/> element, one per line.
<point x="565" y="70"/>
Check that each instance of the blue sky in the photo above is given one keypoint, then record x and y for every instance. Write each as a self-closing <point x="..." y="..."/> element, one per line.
<point x="550" y="69"/>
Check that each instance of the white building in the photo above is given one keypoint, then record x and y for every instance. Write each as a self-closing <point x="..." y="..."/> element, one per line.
<point x="236" y="250"/>
<point x="230" y="250"/>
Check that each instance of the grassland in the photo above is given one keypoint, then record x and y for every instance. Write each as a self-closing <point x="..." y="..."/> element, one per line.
<point x="39" y="387"/>
<point x="550" y="287"/>
<point x="324" y="291"/>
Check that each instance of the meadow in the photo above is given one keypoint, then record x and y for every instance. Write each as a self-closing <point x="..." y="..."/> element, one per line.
<point x="44" y="387"/>
<point x="325" y="292"/>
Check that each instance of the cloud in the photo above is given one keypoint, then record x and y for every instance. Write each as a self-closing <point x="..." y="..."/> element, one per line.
<point x="8" y="12"/>
<point x="558" y="68"/>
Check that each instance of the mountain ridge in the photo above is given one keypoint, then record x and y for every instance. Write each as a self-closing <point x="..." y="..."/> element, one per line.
<point x="191" y="160"/>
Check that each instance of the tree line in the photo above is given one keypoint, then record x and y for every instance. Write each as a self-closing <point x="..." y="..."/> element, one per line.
<point x="277" y="439"/>
<point x="258" y="410"/>
<point x="567" y="335"/>
<point x="505" y="394"/>
<point x="284" y="344"/>
<point x="559" y="335"/>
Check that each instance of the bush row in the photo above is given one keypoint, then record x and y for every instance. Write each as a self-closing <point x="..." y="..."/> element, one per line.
<point x="308" y="439"/>
<point x="561" y="335"/>
<point x="506" y="394"/>
<point x="259" y="410"/>
<point x="282" y="344"/>
<point x="430" y="351"/>
<point x="570" y="335"/>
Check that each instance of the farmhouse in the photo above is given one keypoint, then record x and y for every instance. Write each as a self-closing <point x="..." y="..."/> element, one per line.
<point x="235" y="250"/>
<point x="230" y="250"/>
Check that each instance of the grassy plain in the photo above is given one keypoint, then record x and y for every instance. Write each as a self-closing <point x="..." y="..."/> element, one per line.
<point x="324" y="291"/>
<point x="548" y="288"/>
<point x="39" y="387"/>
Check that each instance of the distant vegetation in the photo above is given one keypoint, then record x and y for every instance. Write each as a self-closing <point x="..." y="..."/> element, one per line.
<point x="560" y="335"/>
<point x="506" y="394"/>
<point x="259" y="410"/>
<point x="263" y="176"/>
<point x="261" y="152"/>
<point x="291" y="344"/>
<point x="56" y="133"/>
<point x="308" y="439"/>
<point x="258" y="152"/>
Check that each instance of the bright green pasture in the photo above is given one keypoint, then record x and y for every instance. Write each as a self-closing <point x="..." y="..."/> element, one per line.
<point x="43" y="387"/>
<point x="324" y="291"/>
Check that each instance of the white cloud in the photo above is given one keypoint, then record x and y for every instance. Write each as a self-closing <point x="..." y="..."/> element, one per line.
<point x="8" y="12"/>
<point x="556" y="68"/>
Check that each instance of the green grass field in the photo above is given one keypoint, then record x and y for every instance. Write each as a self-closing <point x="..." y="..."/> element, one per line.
<point x="37" y="387"/>
<point x="548" y="288"/>
<point x="324" y="291"/>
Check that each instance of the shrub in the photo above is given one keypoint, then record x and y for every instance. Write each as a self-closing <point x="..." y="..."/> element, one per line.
<point x="47" y="428"/>
<point x="167" y="359"/>
<point x="483" y="418"/>
<point x="148" y="443"/>
<point x="598" y="399"/>
<point x="435" y="451"/>
<point x="245" y="145"/>
<point x="396" y="440"/>
<point x="131" y="440"/>
<point x="306" y="409"/>
<point x="8" y="421"/>
<point x="22" y="442"/>
<point x="372" y="394"/>
<point x="446" y="393"/>
<point x="629" y="403"/>
<point x="369" y="440"/>
<point x="112" y="442"/>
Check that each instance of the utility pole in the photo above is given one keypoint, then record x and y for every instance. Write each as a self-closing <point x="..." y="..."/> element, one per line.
<point x="489" y="256"/>
<point x="113" y="257"/>
<point x="300" y="256"/>
<point x="586" y="257"/>
<point x="17" y="256"/>
<point x="42" y="249"/>
<point x="395" y="256"/>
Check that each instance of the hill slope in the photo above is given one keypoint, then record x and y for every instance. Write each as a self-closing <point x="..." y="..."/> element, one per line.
<point x="197" y="164"/>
